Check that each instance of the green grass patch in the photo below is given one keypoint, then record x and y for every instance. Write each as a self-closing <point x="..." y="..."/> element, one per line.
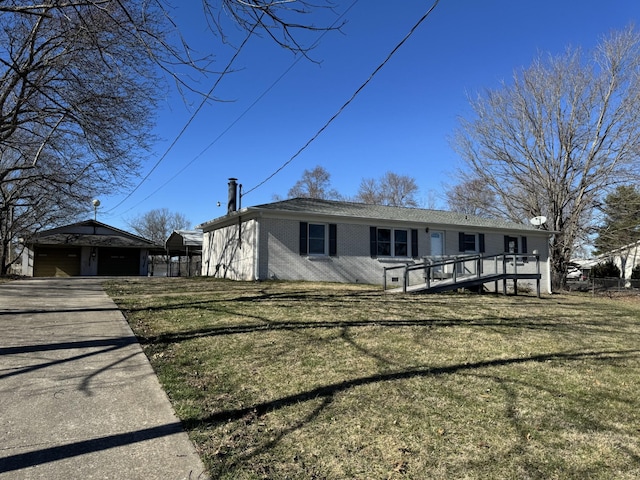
<point x="281" y="380"/>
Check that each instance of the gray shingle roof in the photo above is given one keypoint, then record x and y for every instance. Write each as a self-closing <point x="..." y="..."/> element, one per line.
<point x="381" y="212"/>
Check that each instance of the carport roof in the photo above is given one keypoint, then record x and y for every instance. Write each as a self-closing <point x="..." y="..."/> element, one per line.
<point x="91" y="233"/>
<point x="184" y="242"/>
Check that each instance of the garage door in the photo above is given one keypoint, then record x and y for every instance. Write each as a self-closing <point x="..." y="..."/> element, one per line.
<point x="56" y="262"/>
<point x="118" y="261"/>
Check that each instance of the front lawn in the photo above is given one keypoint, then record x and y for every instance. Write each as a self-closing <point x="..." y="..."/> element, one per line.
<point x="282" y="380"/>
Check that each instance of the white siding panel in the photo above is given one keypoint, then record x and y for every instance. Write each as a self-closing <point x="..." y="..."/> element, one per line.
<point x="226" y="254"/>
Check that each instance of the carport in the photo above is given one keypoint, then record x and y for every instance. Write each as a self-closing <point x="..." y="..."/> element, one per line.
<point x="186" y="245"/>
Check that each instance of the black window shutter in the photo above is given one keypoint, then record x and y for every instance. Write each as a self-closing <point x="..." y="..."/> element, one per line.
<point x="506" y="244"/>
<point x="461" y="242"/>
<point x="333" y="240"/>
<point x="373" y="242"/>
<point x="414" y="243"/>
<point x="481" y="242"/>
<point x="523" y="244"/>
<point x="303" y="238"/>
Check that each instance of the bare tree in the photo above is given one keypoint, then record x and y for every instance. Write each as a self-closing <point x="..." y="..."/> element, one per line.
<point x="314" y="183"/>
<point x="392" y="189"/>
<point x="562" y="134"/>
<point x="279" y="20"/>
<point x="75" y="109"/>
<point x="79" y="84"/>
<point x="156" y="225"/>
<point x="472" y="197"/>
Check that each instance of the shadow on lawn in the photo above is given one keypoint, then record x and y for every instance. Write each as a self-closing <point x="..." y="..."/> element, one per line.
<point x="342" y="304"/>
<point x="329" y="391"/>
<point x="322" y="397"/>
<point x="265" y="324"/>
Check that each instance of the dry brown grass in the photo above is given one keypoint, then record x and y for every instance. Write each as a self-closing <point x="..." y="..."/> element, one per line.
<point x="300" y="380"/>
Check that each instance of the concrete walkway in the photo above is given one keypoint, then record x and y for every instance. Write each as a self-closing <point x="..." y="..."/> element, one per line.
<point x="78" y="398"/>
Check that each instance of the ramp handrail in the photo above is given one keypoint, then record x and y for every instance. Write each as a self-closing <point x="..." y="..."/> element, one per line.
<point x="429" y="266"/>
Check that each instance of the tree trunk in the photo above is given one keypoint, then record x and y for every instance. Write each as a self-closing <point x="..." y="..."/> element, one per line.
<point x="4" y="260"/>
<point x="560" y="258"/>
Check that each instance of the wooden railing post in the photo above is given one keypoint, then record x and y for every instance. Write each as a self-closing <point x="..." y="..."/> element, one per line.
<point x="384" y="279"/>
<point x="515" y="272"/>
<point x="455" y="269"/>
<point x="427" y="272"/>
<point x="538" y="273"/>
<point x="504" y="272"/>
<point x="405" y="278"/>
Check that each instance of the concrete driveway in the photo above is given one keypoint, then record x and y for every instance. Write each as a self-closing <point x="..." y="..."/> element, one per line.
<point x="78" y="398"/>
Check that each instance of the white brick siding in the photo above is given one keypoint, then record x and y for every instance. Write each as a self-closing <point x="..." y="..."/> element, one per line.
<point x="225" y="254"/>
<point x="278" y="254"/>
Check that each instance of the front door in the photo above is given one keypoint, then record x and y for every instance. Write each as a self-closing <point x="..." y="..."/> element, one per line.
<point x="437" y="248"/>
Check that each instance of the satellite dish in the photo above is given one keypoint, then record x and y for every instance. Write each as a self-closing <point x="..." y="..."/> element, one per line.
<point x="96" y="202"/>
<point x="537" y="221"/>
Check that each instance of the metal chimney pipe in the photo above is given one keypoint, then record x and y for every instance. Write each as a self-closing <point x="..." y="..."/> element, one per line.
<point x="233" y="195"/>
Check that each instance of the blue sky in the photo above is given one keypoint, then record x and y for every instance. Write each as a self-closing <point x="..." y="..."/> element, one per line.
<point x="401" y="122"/>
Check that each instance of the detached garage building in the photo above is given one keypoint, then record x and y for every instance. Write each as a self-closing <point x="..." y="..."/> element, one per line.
<point x="85" y="249"/>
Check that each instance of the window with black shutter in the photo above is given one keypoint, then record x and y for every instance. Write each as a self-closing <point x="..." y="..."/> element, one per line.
<point x="393" y="242"/>
<point x="467" y="242"/>
<point x="318" y="239"/>
<point x="471" y="242"/>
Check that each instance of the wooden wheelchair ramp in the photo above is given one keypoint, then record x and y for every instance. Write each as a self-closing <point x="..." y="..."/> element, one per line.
<point x="465" y="272"/>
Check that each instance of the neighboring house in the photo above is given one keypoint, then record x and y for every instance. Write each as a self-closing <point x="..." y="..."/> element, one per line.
<point x="186" y="245"/>
<point x="321" y="240"/>
<point x="87" y="248"/>
<point x="625" y="258"/>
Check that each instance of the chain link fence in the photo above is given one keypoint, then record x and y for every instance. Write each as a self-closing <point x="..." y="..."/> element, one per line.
<point x="176" y="267"/>
<point x="608" y="284"/>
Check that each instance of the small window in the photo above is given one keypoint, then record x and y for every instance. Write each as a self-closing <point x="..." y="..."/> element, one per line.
<point x="469" y="242"/>
<point x="317" y="239"/>
<point x="384" y="242"/>
<point x="400" y="243"/>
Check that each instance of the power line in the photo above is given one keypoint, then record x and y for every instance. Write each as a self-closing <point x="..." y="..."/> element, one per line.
<point x="192" y="118"/>
<point x="234" y="122"/>
<point x="348" y="102"/>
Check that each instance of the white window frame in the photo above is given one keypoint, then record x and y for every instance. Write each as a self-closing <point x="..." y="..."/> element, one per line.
<point x="325" y="240"/>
